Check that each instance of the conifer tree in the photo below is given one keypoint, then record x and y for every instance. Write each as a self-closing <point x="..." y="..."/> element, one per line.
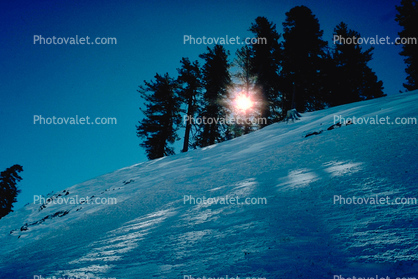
<point x="245" y="88"/>
<point x="304" y="52"/>
<point x="353" y="79"/>
<point x="190" y="83"/>
<point x="216" y="81"/>
<point x="265" y="63"/>
<point x="407" y="18"/>
<point x="162" y="116"/>
<point x="8" y="189"/>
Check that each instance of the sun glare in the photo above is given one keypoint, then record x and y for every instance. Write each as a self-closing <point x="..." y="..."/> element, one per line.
<point x="243" y="102"/>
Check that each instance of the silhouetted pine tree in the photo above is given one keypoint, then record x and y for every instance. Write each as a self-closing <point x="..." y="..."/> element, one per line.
<point x="190" y="82"/>
<point x="162" y="116"/>
<point x="216" y="80"/>
<point x="265" y="63"/>
<point x="352" y="80"/>
<point x="329" y="77"/>
<point x="8" y="189"/>
<point x="407" y="18"/>
<point x="303" y="61"/>
<point x="372" y="87"/>
<point x="246" y="87"/>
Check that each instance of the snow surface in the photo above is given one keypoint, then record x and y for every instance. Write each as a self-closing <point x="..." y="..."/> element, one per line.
<point x="300" y="233"/>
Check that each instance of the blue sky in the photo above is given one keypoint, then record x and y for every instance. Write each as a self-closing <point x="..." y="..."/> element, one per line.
<point x="101" y="80"/>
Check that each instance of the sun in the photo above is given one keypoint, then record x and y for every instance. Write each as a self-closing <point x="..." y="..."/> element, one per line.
<point x="243" y="102"/>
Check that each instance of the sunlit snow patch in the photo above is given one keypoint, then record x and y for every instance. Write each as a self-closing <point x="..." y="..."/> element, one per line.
<point x="342" y="168"/>
<point x="87" y="272"/>
<point x="244" y="188"/>
<point x="298" y="179"/>
<point x="117" y="243"/>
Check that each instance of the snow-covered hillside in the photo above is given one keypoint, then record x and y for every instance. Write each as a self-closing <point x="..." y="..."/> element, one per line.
<point x="298" y="229"/>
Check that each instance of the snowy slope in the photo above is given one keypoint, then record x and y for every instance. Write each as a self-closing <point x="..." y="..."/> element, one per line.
<point x="300" y="233"/>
